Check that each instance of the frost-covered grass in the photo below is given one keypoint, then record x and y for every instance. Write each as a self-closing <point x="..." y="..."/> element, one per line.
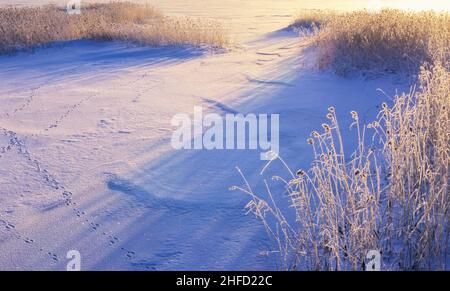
<point x="27" y="27"/>
<point x="390" y="40"/>
<point x="390" y="194"/>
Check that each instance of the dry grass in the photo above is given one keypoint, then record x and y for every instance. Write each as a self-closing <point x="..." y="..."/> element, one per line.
<point x="346" y="205"/>
<point x="28" y="27"/>
<point x="390" y="40"/>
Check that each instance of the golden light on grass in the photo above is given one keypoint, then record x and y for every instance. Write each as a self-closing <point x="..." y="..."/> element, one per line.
<point x="31" y="26"/>
<point x="390" y="39"/>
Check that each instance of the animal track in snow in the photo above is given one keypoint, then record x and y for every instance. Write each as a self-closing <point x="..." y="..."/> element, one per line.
<point x="51" y="181"/>
<point x="68" y="112"/>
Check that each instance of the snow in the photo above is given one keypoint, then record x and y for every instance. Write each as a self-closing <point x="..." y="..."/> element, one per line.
<point x="85" y="157"/>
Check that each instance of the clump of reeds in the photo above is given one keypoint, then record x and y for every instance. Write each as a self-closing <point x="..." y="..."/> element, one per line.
<point x="336" y="204"/>
<point x="28" y="27"/>
<point x="387" y="40"/>
<point x="391" y="196"/>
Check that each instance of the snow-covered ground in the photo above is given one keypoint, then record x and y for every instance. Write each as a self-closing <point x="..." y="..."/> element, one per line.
<point x="85" y="156"/>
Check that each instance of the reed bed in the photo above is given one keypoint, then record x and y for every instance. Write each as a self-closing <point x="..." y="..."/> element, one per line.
<point x="388" y="40"/>
<point x="28" y="27"/>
